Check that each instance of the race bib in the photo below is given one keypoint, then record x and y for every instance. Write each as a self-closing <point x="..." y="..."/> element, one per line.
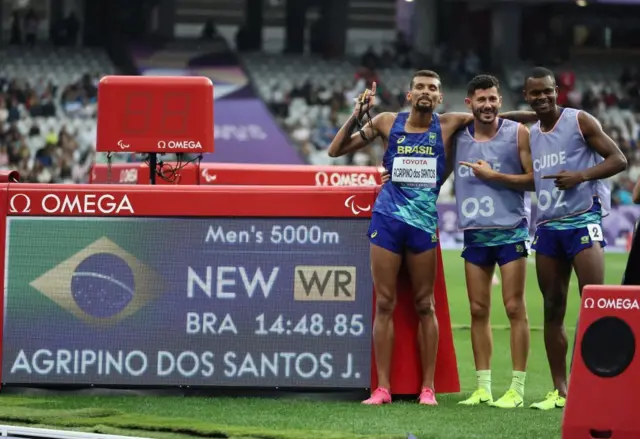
<point x="412" y="171"/>
<point x="595" y="232"/>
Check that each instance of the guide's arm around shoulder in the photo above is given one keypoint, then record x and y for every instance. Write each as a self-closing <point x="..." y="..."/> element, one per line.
<point x="520" y="116"/>
<point x="460" y="120"/>
<point x="614" y="160"/>
<point x="345" y="142"/>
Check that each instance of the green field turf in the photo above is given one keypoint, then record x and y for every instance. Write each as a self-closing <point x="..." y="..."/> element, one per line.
<point x="180" y="418"/>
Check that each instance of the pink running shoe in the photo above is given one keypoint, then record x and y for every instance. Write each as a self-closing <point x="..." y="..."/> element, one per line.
<point x="378" y="397"/>
<point x="427" y="397"/>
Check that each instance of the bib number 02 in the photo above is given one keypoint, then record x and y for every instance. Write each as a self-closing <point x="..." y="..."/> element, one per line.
<point x="546" y="199"/>
<point x="483" y="206"/>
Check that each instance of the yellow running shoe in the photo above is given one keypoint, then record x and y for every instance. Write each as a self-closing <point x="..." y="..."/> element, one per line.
<point x="480" y="396"/>
<point x="510" y="400"/>
<point x="552" y="401"/>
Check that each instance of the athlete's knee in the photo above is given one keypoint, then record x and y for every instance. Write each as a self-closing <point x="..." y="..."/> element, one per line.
<point x="555" y="306"/>
<point x="425" y="305"/>
<point x="479" y="310"/>
<point x="516" y="309"/>
<point x="385" y="301"/>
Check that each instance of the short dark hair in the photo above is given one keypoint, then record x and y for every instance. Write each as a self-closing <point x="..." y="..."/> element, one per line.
<point x="539" y="72"/>
<point x="424" y="74"/>
<point x="482" y="82"/>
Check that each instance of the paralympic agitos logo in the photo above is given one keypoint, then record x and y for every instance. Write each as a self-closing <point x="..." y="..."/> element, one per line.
<point x="86" y="204"/>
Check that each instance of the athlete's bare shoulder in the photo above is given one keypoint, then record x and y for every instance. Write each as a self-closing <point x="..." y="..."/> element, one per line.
<point x="383" y="123"/>
<point x="587" y="121"/>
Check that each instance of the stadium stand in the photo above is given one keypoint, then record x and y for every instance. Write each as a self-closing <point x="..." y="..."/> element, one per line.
<point x="312" y="97"/>
<point x="48" y="102"/>
<point x="48" y="108"/>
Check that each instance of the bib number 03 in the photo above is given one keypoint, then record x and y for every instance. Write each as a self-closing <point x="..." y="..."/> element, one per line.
<point x="472" y="207"/>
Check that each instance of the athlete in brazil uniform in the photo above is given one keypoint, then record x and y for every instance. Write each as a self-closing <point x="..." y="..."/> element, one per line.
<point x="571" y="158"/>
<point x="404" y="218"/>
<point x="494" y="212"/>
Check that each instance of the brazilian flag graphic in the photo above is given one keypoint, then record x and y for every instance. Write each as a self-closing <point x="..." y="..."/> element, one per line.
<point x="101" y="284"/>
<point x="61" y="269"/>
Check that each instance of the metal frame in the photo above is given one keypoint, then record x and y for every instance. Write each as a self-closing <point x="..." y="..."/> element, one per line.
<point x="11" y="431"/>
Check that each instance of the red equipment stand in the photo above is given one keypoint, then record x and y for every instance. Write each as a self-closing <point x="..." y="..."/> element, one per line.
<point x="406" y="372"/>
<point x="608" y="339"/>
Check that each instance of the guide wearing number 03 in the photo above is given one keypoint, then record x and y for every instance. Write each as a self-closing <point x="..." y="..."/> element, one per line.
<point x="494" y="213"/>
<point x="572" y="157"/>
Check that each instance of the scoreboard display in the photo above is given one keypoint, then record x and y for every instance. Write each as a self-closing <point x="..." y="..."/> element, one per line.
<point x="155" y="114"/>
<point x="259" y="302"/>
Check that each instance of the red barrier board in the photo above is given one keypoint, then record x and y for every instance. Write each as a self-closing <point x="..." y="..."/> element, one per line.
<point x="242" y="174"/>
<point x="304" y="175"/>
<point x="192" y="201"/>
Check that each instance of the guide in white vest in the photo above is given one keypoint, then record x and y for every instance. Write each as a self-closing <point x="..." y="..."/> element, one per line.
<point x="572" y="158"/>
<point x="493" y="171"/>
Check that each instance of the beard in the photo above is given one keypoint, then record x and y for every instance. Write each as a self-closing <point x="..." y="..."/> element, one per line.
<point x="483" y="116"/>
<point x="422" y="107"/>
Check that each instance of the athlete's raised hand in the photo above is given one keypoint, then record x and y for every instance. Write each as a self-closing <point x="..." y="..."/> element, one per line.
<point x="365" y="101"/>
<point x="481" y="169"/>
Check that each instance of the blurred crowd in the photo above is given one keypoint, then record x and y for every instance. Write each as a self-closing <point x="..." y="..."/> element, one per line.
<point x="35" y="140"/>
<point x="313" y="133"/>
<point x="46" y="127"/>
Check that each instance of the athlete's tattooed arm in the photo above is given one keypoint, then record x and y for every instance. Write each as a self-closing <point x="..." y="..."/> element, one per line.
<point x="344" y="142"/>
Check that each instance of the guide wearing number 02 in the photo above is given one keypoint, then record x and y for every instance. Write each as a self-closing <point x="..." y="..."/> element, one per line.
<point x="572" y="157"/>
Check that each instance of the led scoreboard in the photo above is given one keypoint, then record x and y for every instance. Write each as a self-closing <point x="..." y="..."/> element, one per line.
<point x="155" y="114"/>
